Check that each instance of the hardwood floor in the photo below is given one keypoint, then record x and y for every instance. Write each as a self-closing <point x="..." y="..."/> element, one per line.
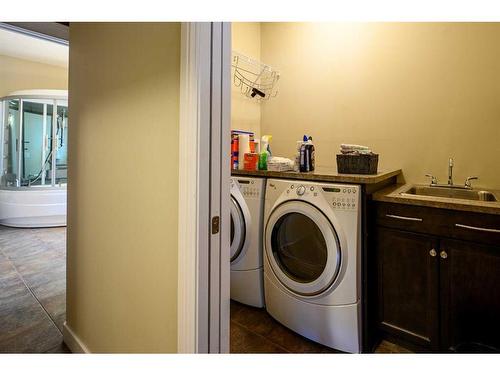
<point x="32" y="290"/>
<point x="253" y="330"/>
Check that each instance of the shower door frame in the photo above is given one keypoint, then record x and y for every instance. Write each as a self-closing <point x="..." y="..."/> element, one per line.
<point x="56" y="102"/>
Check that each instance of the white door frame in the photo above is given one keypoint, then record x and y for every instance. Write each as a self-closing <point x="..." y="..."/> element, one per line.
<point x="204" y="196"/>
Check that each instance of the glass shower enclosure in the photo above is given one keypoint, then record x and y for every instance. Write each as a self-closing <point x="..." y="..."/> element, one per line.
<point x="34" y="153"/>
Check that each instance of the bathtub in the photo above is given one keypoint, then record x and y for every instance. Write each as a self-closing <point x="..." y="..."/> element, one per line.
<point x="33" y="207"/>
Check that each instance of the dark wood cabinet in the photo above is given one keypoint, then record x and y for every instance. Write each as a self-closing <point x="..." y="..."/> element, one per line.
<point x="408" y="275"/>
<point x="470" y="296"/>
<point x="438" y="284"/>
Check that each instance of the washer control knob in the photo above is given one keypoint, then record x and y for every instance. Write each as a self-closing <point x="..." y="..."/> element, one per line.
<point x="301" y="190"/>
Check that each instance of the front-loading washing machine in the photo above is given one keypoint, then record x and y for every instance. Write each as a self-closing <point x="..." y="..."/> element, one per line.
<point x="312" y="245"/>
<point x="247" y="214"/>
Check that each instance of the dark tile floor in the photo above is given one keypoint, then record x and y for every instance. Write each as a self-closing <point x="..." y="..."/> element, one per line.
<point x="32" y="290"/>
<point x="253" y="330"/>
<point x="33" y="303"/>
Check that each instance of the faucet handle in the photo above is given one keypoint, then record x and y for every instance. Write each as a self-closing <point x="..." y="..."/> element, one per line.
<point x="433" y="179"/>
<point x="468" y="180"/>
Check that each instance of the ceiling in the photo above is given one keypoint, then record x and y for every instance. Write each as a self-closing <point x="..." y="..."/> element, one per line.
<point x="30" y="48"/>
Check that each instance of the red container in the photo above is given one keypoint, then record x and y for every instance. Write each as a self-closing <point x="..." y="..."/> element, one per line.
<point x="250" y="161"/>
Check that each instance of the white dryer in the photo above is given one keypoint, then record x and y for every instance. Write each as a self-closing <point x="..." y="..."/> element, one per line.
<point x="312" y="245"/>
<point x="247" y="215"/>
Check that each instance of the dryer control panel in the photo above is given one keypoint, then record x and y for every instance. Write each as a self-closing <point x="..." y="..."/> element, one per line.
<point x="345" y="203"/>
<point x="250" y="188"/>
<point x="338" y="196"/>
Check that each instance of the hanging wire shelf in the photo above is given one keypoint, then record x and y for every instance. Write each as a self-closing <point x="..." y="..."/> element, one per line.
<point x="255" y="79"/>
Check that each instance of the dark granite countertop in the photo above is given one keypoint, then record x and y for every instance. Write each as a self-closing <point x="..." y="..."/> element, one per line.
<point x="323" y="175"/>
<point x="392" y="194"/>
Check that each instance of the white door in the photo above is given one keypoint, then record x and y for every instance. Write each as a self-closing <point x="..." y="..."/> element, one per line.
<point x="220" y="174"/>
<point x="204" y="192"/>
<point x="302" y="248"/>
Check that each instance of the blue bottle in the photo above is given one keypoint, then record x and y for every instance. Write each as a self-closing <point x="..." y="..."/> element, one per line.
<point x="303" y="161"/>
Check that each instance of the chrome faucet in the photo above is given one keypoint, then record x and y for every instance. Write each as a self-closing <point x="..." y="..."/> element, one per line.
<point x="434" y="180"/>
<point x="467" y="185"/>
<point x="450" y="172"/>
<point x="468" y="180"/>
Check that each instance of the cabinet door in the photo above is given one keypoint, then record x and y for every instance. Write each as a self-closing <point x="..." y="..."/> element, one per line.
<point x="408" y="286"/>
<point x="470" y="296"/>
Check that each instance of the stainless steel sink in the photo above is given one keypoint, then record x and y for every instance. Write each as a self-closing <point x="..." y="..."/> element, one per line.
<point x="444" y="192"/>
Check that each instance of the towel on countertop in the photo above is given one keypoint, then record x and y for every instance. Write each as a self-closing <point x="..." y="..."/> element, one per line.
<point x="354" y="149"/>
<point x="279" y="164"/>
<point x="356" y="152"/>
<point x="345" y="146"/>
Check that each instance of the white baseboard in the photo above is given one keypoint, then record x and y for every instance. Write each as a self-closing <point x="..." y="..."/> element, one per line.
<point x="73" y="342"/>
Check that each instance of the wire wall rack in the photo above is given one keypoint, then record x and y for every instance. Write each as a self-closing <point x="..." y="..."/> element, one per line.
<point x="255" y="79"/>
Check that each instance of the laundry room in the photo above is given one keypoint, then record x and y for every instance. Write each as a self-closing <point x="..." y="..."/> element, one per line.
<point x="365" y="194"/>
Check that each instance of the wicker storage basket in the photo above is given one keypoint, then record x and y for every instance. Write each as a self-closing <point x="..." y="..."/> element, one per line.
<point x="357" y="164"/>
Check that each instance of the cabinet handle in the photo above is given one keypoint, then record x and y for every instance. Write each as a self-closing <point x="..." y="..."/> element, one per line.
<point x="433" y="253"/>
<point x="478" y="228"/>
<point x="404" y="217"/>
<point x="443" y="254"/>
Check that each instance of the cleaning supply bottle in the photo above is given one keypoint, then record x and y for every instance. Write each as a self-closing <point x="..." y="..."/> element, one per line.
<point x="310" y="154"/>
<point x="296" y="163"/>
<point x="302" y="159"/>
<point x="265" y="152"/>
<point x="234" y="150"/>
<point x="307" y="156"/>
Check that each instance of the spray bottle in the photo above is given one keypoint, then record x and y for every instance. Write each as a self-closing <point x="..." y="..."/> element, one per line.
<point x="265" y="152"/>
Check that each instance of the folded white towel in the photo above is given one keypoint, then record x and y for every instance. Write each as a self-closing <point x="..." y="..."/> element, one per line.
<point x="279" y="164"/>
<point x="355" y="152"/>
<point x="345" y="146"/>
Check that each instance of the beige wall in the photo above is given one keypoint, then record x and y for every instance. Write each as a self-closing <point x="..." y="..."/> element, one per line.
<point x="123" y="186"/>
<point x="245" y="112"/>
<point x="416" y="93"/>
<point x="17" y="74"/>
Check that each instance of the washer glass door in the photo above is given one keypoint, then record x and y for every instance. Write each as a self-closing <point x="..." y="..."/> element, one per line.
<point x="302" y="248"/>
<point x="237" y="229"/>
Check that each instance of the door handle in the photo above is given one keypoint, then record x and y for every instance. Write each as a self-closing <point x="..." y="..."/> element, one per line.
<point x="443" y="254"/>
<point x="215" y="224"/>
<point x="433" y="253"/>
